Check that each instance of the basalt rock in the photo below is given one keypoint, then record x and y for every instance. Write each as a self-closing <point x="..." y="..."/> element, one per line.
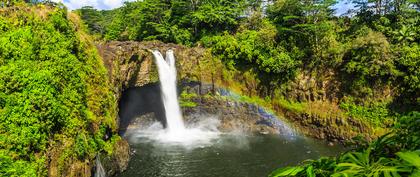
<point x="333" y="129"/>
<point x="233" y="115"/>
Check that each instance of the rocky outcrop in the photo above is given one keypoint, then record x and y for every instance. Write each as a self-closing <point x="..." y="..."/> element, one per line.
<point x="309" y="86"/>
<point x="118" y="161"/>
<point x="234" y="115"/>
<point x="141" y="108"/>
<point x="333" y="129"/>
<point x="326" y="85"/>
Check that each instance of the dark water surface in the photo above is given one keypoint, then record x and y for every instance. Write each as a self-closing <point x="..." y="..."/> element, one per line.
<point x="230" y="155"/>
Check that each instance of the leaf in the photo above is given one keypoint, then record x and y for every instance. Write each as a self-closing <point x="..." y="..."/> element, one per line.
<point x="411" y="157"/>
<point x="310" y="171"/>
<point x="287" y="171"/>
<point x="415" y="173"/>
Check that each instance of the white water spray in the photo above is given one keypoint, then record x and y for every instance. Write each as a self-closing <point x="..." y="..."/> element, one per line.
<point x="176" y="131"/>
<point x="167" y="76"/>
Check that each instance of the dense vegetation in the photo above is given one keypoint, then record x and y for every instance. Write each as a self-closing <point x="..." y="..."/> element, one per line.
<point x="55" y="105"/>
<point x="376" y="48"/>
<point x="394" y="154"/>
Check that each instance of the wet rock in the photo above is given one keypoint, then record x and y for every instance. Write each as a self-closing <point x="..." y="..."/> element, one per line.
<point x="117" y="162"/>
<point x="234" y="115"/>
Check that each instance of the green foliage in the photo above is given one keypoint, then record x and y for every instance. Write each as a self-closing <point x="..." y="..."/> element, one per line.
<point x="254" y="49"/>
<point x="393" y="154"/>
<point x="322" y="167"/>
<point x="413" y="159"/>
<point x="288" y="171"/>
<point x="369" y="63"/>
<point x="409" y="65"/>
<point x="361" y="164"/>
<point x="290" y="105"/>
<point x="51" y="91"/>
<point x="186" y="100"/>
<point x="175" y="21"/>
<point x="378" y="114"/>
<point x="96" y="21"/>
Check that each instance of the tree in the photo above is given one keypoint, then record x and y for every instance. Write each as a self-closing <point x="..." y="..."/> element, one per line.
<point x="177" y="21"/>
<point x="93" y="19"/>
<point x="369" y="61"/>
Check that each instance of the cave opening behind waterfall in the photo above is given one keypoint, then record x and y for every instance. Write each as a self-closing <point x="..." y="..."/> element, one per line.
<point x="138" y="103"/>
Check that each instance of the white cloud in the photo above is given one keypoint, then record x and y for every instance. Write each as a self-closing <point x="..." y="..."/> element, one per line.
<point x="76" y="4"/>
<point x="98" y="4"/>
<point x="342" y="7"/>
<point x="113" y="3"/>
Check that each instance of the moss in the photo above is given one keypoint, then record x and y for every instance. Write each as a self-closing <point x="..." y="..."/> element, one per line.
<point x="290" y="105"/>
<point x="153" y="74"/>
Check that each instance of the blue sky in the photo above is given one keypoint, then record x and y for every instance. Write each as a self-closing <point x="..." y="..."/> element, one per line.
<point x="341" y="7"/>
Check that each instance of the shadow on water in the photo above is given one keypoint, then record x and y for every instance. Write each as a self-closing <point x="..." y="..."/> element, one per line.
<point x="139" y="101"/>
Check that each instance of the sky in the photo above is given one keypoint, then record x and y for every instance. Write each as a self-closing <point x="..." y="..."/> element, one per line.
<point x="342" y="7"/>
<point x="98" y="4"/>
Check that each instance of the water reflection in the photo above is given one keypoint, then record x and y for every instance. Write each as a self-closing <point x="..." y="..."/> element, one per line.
<point x="230" y="155"/>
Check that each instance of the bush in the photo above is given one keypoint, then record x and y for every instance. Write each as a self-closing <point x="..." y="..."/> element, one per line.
<point x="254" y="49"/>
<point x="377" y="114"/>
<point x="51" y="91"/>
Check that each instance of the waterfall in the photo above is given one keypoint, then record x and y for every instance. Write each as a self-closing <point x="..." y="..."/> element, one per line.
<point x="176" y="132"/>
<point x="167" y="77"/>
<point x="100" y="172"/>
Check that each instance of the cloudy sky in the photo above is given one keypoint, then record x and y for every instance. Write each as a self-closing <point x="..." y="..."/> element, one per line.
<point x="98" y="4"/>
<point x="341" y="7"/>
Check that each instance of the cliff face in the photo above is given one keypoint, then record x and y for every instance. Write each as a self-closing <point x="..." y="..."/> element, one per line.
<point x="130" y="64"/>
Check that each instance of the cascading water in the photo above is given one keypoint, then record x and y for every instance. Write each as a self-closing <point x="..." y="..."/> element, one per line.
<point x="167" y="76"/>
<point x="100" y="172"/>
<point x="176" y="132"/>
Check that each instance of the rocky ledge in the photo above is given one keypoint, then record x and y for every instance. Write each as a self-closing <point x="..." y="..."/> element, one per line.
<point x="208" y="102"/>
